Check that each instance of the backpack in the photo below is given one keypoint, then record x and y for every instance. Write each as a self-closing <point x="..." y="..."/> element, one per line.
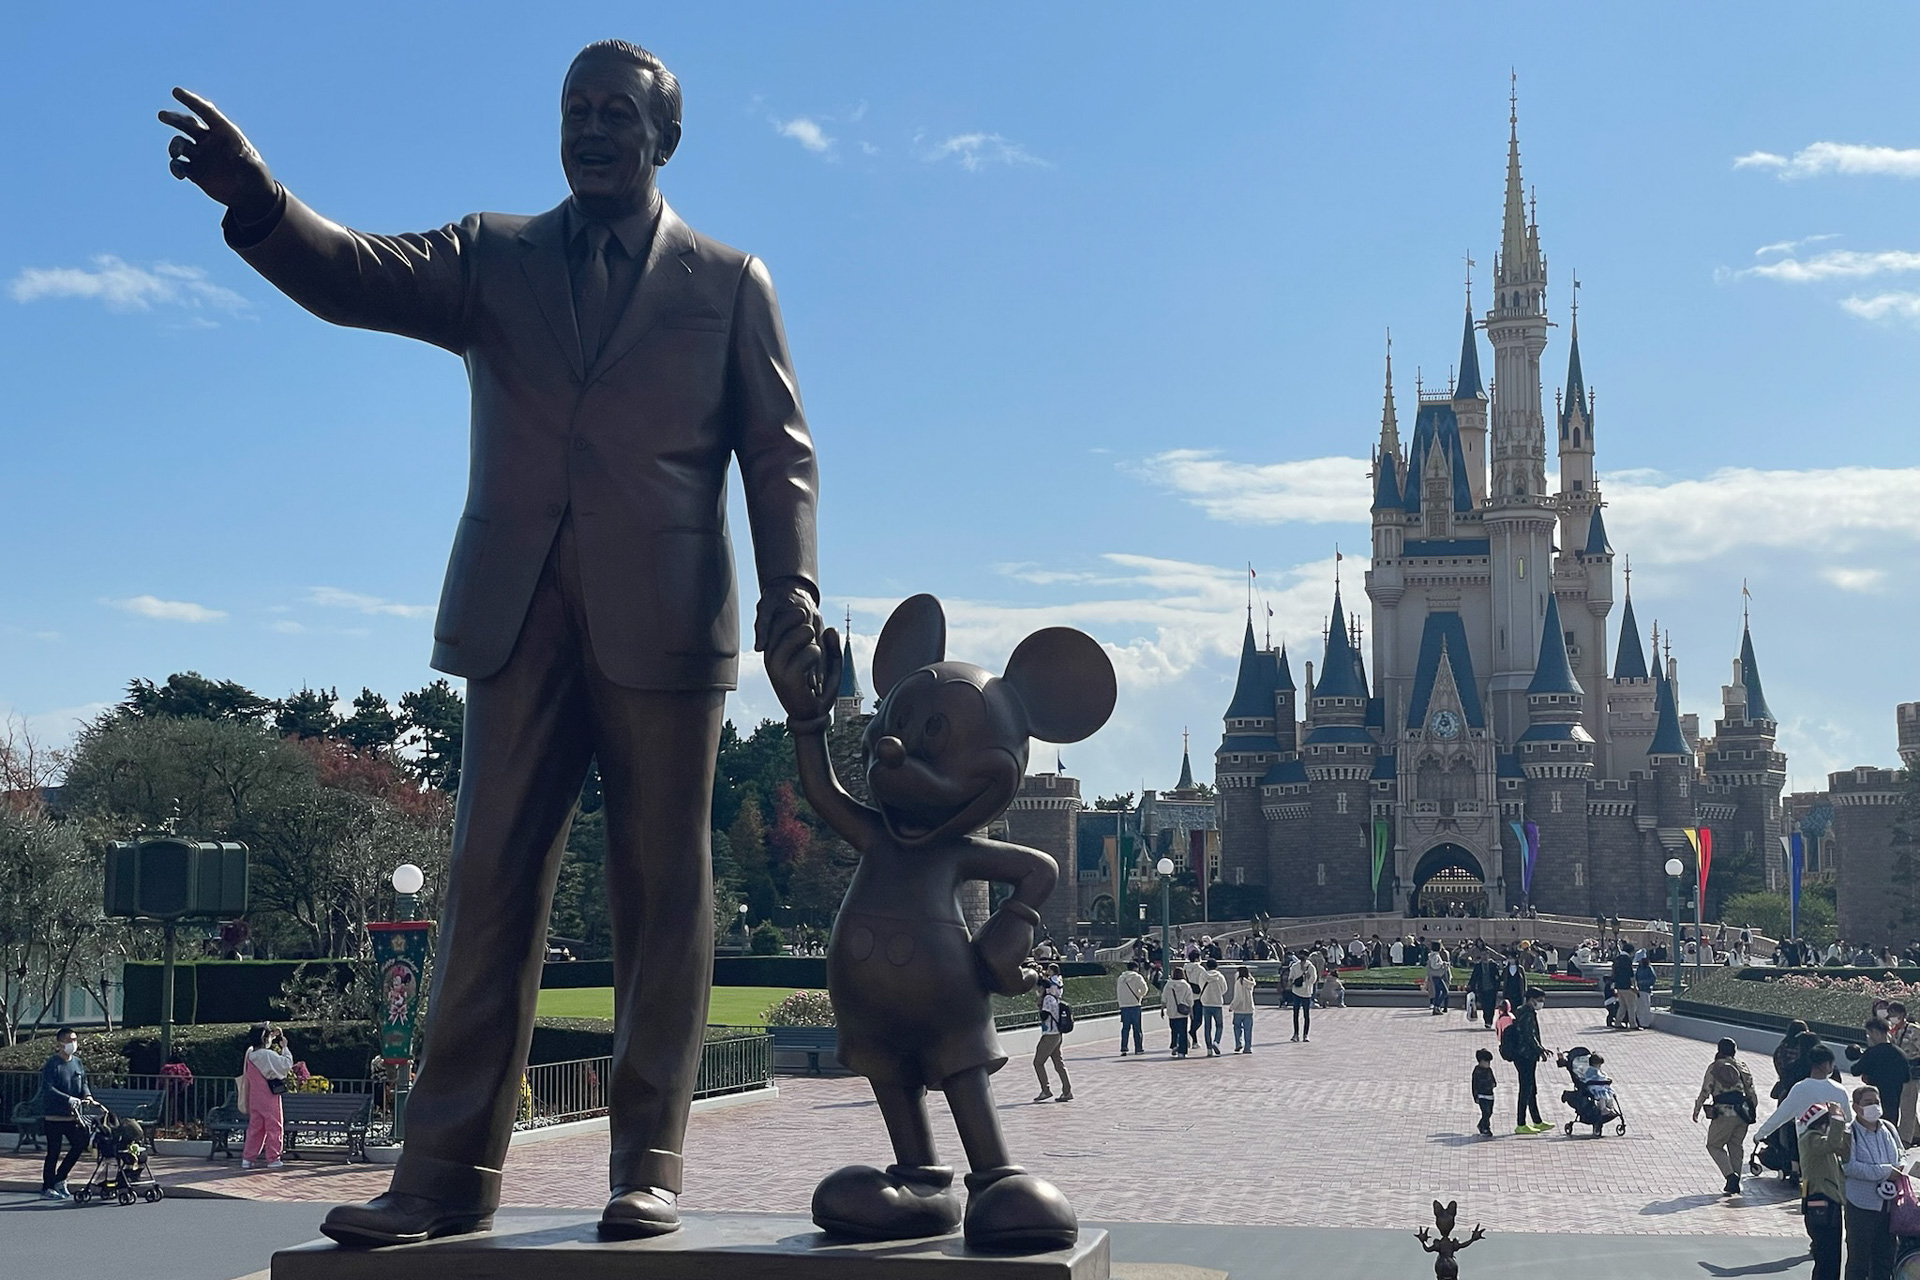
<point x="1510" y="1041"/>
<point x="1063" y="1020"/>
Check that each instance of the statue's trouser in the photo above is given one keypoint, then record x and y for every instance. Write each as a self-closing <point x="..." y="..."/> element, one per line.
<point x="531" y="731"/>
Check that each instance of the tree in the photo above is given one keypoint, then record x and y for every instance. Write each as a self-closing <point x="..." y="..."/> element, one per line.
<point x="372" y="725"/>
<point x="190" y="695"/>
<point x="746" y="839"/>
<point x="1770" y="913"/>
<point x="435" y="719"/>
<point x="788" y="838"/>
<point x="307" y="714"/>
<point x="1123" y="801"/>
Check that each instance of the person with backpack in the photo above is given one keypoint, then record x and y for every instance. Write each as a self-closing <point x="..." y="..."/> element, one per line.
<point x="1129" y="990"/>
<point x="1176" y="1001"/>
<point x="1520" y="1044"/>
<point x="1055" y="1022"/>
<point x="1728" y="1099"/>
<point x="1300" y="984"/>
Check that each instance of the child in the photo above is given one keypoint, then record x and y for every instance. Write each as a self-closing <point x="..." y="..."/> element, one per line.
<point x="1483" y="1088"/>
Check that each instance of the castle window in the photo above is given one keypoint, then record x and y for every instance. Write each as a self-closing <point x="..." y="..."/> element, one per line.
<point x="1239" y="875"/>
<point x="1580" y="874"/>
<point x="1522" y="562"/>
<point x="1556" y="802"/>
<point x="1340" y="802"/>
<point x="1320" y="873"/>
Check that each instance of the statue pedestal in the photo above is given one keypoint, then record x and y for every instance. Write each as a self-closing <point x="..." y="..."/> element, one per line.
<point x="716" y="1246"/>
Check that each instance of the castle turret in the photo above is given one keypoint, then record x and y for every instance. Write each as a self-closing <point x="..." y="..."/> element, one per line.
<point x="1338" y="756"/>
<point x="1247" y="750"/>
<point x="1557" y="755"/>
<point x="1745" y="770"/>
<point x="1286" y="714"/>
<point x="1671" y="761"/>
<point x="1388" y="474"/>
<point x="846" y="704"/>
<point x="1470" y="407"/>
<point x="1631" y="694"/>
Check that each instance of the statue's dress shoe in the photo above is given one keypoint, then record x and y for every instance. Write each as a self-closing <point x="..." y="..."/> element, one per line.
<point x="635" y="1213"/>
<point x="902" y="1202"/>
<point x="399" y="1218"/>
<point x="1011" y="1211"/>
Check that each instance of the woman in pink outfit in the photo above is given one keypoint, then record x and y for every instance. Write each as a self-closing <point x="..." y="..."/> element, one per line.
<point x="267" y="1060"/>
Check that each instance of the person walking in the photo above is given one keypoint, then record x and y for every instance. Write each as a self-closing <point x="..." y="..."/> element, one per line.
<point x="1483" y="983"/>
<point x="1824" y="1144"/>
<point x="1622" y="975"/>
<point x="1300" y="982"/>
<point x="1176" y="1001"/>
<point x="1881" y="1064"/>
<point x="1728" y="1099"/>
<point x="63" y="1087"/>
<point x="1513" y="980"/>
<point x="1048" y="1049"/>
<point x="1804" y="1099"/>
<point x="1439" y="970"/>
<point x="1483" y="1086"/>
<point x="1196" y="979"/>
<point x="1528" y="1050"/>
<point x="1644" y="982"/>
<point x="268" y="1063"/>
<point x="1869" y="1165"/>
<point x="1242" y="1009"/>
<point x="1129" y="989"/>
<point x="1213" y="1003"/>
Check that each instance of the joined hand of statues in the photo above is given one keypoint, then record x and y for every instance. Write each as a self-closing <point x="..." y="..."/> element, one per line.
<point x="211" y="152"/>
<point x="805" y="673"/>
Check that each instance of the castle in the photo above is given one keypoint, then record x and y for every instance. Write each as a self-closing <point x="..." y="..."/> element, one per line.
<point x="1496" y="758"/>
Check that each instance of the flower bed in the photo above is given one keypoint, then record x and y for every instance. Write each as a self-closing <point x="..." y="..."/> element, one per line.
<point x="1840" y="1003"/>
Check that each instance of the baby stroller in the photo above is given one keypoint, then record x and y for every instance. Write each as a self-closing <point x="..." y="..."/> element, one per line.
<point x="120" y="1169"/>
<point x="1592" y="1097"/>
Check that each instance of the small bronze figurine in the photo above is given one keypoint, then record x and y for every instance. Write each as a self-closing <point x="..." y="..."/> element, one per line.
<point x="944" y="756"/>
<point x="1444" y="1267"/>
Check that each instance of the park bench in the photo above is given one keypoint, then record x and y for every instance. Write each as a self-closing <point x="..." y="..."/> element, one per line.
<point x="29" y="1124"/>
<point x="333" y="1117"/>
<point x="132" y="1104"/>
<point x="793" y="1045"/>
<point x="223" y="1122"/>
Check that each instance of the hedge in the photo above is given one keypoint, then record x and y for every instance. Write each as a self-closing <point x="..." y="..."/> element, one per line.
<point x="335" y="1050"/>
<point x="1754" y="997"/>
<point x="214" y="991"/>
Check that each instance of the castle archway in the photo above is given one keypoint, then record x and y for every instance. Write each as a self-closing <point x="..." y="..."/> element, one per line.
<point x="1449" y="880"/>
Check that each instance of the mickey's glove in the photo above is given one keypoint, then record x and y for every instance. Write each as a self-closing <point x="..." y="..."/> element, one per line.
<point x="1003" y="944"/>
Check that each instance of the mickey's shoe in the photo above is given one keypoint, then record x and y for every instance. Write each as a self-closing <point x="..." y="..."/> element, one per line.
<point x="634" y="1213"/>
<point x="399" y="1218"/>
<point x="901" y="1202"/>
<point x="1011" y="1211"/>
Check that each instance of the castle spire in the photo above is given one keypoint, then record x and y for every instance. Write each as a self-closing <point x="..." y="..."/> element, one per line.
<point x="1386" y="467"/>
<point x="1553" y="673"/>
<point x="1630" y="662"/>
<point x="1469" y="388"/>
<point x="1667" y="738"/>
<point x="1514" y="240"/>
<point x="1253" y="691"/>
<point x="1757" y="708"/>
<point x="1186" y="765"/>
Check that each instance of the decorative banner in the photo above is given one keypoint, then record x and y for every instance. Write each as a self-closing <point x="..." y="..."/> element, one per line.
<point x="1531" y="860"/>
<point x="1705" y="847"/>
<point x="1520" y="837"/>
<point x="1796" y="870"/>
<point x="400" y="949"/>
<point x="1380" y="836"/>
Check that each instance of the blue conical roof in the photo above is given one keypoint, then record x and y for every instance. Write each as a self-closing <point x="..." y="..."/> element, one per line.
<point x="1341" y="678"/>
<point x="1186" y="772"/>
<point x="1667" y="738"/>
<point x="1253" y="691"/>
<point x="1386" y="483"/>
<point x="1597" y="544"/>
<point x="1553" y="673"/>
<point x="1283" y="680"/>
<point x="1757" y="708"/>
<point x="1469" y="388"/>
<point x="1630" y="662"/>
<point x="849" y="679"/>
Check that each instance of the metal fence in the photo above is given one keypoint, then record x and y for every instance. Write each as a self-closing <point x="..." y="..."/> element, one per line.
<point x="184" y="1104"/>
<point x="558" y="1092"/>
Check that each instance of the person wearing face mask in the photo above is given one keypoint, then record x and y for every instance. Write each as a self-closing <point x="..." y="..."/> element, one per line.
<point x="1869" y="1167"/>
<point x="1824" y="1143"/>
<point x="63" y="1087"/>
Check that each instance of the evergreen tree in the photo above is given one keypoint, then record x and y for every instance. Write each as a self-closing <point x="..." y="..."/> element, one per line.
<point x="436" y="716"/>
<point x="191" y="696"/>
<point x="307" y="714"/>
<point x="372" y="726"/>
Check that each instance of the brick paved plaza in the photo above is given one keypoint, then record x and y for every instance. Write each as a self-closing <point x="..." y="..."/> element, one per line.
<point x="1363" y="1127"/>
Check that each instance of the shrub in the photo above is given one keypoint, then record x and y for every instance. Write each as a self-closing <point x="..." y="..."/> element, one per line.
<point x="766" y="940"/>
<point x="801" y="1009"/>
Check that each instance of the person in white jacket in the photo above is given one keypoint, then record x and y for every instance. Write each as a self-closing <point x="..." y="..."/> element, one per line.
<point x="1242" y="1008"/>
<point x="1176" y="998"/>
<point x="1129" y="989"/>
<point x="1807" y="1098"/>
<point x="267" y="1061"/>
<point x="1213" y="1004"/>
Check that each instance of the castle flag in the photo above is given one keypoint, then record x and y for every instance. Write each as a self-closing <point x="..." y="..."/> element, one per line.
<point x="1796" y="870"/>
<point x="1531" y="860"/>
<point x="1379" y="853"/>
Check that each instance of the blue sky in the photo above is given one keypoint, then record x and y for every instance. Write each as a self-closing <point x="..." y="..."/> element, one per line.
<point x="1087" y="303"/>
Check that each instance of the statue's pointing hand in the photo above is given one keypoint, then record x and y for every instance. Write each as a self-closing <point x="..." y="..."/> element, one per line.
<point x="211" y="152"/>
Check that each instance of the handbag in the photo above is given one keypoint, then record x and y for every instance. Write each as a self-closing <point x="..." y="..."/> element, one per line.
<point x="1903" y="1215"/>
<point x="277" y="1086"/>
<point x="1821" y="1214"/>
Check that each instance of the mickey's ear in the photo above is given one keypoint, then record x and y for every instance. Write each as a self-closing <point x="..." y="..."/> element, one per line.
<point x="1438" y="1209"/>
<point x="1066" y="681"/>
<point x="915" y="636"/>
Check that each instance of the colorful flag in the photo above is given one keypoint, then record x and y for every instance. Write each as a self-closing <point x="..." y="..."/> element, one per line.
<point x="1796" y="869"/>
<point x="1531" y="860"/>
<point x="1380" y="837"/>
<point x="1520" y="837"/>
<point x="1706" y="862"/>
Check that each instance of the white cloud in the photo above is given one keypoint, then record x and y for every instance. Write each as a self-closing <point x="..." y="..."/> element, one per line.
<point x="335" y="598"/>
<point x="1788" y="246"/>
<point x="286" y="627"/>
<point x="1311" y="491"/>
<point x="121" y="286"/>
<point x="806" y="132"/>
<point x="1884" y="306"/>
<point x="1849" y="158"/>
<point x="168" y="610"/>
<point x="1827" y="511"/>
<point x="1837" y="264"/>
<point x="976" y="151"/>
<point x="1866" y="580"/>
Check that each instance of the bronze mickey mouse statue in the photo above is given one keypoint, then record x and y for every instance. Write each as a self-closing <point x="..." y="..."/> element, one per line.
<point x="910" y="985"/>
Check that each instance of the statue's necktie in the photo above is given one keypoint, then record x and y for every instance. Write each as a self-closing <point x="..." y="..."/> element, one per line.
<point x="593" y="293"/>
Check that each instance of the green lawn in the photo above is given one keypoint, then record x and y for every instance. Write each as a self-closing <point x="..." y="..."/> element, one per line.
<point x="732" y="1006"/>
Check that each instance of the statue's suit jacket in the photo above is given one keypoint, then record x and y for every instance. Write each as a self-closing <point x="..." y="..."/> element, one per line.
<point x="695" y="373"/>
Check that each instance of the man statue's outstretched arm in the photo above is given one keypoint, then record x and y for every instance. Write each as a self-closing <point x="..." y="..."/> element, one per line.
<point x="415" y="285"/>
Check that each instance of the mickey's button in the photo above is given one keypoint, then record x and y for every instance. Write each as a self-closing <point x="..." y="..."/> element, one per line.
<point x="860" y="943"/>
<point x="900" y="948"/>
<point x="579" y="445"/>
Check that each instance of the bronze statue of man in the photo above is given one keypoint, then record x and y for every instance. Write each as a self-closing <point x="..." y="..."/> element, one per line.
<point x="619" y="363"/>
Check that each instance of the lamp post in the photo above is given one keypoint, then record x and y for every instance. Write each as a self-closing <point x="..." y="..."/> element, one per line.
<point x="1120" y="870"/>
<point x="1674" y="870"/>
<point x="402" y="970"/>
<point x="744" y="936"/>
<point x="1165" y="868"/>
